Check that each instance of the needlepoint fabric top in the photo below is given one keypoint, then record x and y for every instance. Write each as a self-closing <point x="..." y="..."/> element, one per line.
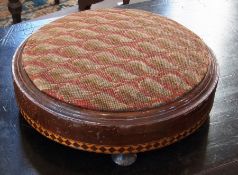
<point x="115" y="60"/>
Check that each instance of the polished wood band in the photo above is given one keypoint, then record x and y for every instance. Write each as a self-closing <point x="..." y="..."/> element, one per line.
<point x="110" y="149"/>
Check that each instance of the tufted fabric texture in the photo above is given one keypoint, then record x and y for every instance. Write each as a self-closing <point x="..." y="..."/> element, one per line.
<point x="115" y="60"/>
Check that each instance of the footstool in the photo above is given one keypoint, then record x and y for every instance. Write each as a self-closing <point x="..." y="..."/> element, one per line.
<point x="115" y="81"/>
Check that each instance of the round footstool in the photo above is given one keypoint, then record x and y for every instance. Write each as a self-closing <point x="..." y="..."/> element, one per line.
<point x="115" y="81"/>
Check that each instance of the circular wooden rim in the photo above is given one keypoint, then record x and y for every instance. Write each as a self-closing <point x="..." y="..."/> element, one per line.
<point x="164" y="112"/>
<point x="121" y="132"/>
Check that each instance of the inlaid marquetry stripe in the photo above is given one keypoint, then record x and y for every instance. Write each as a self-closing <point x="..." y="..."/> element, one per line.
<point x="110" y="149"/>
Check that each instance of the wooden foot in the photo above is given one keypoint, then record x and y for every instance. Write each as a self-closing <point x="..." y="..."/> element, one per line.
<point x="81" y="8"/>
<point x="84" y="5"/>
<point x="57" y="2"/>
<point x="15" y="8"/>
<point x="126" y="2"/>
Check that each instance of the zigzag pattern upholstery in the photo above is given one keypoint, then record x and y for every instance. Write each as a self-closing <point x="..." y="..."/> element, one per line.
<point x="115" y="60"/>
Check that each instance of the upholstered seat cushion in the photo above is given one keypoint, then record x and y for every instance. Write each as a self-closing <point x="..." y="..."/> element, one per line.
<point x="115" y="60"/>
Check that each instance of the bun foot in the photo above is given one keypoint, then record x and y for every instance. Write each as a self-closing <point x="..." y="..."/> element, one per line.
<point x="124" y="159"/>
